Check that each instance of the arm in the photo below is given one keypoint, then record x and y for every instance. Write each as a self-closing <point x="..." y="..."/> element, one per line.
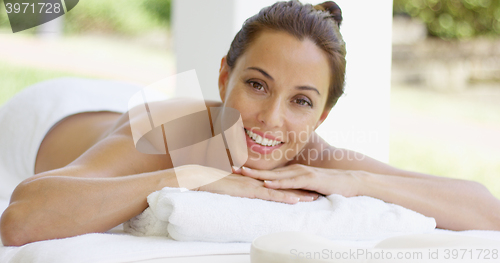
<point x="104" y="187"/>
<point x="455" y="204"/>
<point x="88" y="195"/>
<point x="58" y="206"/>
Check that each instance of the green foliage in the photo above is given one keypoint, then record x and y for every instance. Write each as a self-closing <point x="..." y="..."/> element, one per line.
<point x="4" y="20"/>
<point x="159" y="8"/>
<point x="454" y="18"/>
<point x="112" y="16"/>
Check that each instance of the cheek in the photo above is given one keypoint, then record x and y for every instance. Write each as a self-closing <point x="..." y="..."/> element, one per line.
<point x="238" y="100"/>
<point x="299" y="132"/>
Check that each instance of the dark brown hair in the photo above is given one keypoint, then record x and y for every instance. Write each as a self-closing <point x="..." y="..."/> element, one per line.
<point x="318" y="23"/>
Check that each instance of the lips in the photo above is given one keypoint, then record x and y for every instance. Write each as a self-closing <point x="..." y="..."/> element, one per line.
<point x="262" y="140"/>
<point x="263" y="144"/>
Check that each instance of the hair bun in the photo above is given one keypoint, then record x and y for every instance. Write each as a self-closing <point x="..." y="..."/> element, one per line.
<point x="333" y="9"/>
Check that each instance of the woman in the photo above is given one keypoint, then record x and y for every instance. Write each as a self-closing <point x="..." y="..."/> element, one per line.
<point x="284" y="72"/>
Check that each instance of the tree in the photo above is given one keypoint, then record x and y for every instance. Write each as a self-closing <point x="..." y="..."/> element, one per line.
<point x="454" y="18"/>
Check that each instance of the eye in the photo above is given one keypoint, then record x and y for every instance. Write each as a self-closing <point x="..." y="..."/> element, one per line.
<point x="256" y="85"/>
<point x="303" y="102"/>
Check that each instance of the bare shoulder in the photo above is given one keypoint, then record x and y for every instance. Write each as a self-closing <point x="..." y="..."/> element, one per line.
<point x="319" y="153"/>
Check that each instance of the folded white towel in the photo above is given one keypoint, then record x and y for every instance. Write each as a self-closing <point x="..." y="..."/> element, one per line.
<point x="203" y="216"/>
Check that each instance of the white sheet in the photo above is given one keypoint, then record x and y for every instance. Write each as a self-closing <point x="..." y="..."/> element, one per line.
<point x="113" y="248"/>
<point x="120" y="248"/>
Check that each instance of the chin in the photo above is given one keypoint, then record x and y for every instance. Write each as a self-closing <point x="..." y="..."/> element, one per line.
<point x="261" y="164"/>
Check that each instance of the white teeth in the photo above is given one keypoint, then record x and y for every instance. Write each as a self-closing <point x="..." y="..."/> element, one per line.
<point x="262" y="141"/>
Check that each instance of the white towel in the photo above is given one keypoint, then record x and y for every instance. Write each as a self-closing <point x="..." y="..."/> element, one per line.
<point x="28" y="116"/>
<point x="203" y="216"/>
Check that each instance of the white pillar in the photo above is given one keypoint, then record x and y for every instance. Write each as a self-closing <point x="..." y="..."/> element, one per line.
<point x="52" y="29"/>
<point x="360" y="120"/>
<point x="203" y="31"/>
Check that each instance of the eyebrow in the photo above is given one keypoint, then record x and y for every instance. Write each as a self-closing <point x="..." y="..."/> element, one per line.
<point x="308" y="88"/>
<point x="271" y="78"/>
<point x="261" y="71"/>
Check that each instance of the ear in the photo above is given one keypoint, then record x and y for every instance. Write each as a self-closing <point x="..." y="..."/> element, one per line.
<point x="322" y="118"/>
<point x="223" y="78"/>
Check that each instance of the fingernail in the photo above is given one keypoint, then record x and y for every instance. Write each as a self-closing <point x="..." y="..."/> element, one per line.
<point x="236" y="168"/>
<point x="268" y="182"/>
<point x="245" y="168"/>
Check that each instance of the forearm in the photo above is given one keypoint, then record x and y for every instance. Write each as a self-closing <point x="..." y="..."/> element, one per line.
<point x="455" y="204"/>
<point x="62" y="206"/>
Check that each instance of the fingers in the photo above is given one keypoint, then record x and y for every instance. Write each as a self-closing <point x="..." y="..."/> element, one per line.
<point x="287" y="184"/>
<point x="236" y="170"/>
<point x="298" y="182"/>
<point x="305" y="196"/>
<point x="277" y="196"/>
<point x="279" y="173"/>
<point x="243" y="186"/>
<point x="289" y="196"/>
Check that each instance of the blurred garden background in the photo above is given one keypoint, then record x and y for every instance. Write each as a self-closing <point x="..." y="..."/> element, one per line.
<point x="445" y="95"/>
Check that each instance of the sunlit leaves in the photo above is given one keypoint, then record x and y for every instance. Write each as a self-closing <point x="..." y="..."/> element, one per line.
<point x="454" y="18"/>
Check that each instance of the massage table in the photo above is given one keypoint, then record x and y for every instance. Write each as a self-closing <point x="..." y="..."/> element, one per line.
<point x="116" y="246"/>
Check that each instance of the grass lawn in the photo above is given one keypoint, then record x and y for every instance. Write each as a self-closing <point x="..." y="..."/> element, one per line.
<point x="446" y="159"/>
<point x="458" y="157"/>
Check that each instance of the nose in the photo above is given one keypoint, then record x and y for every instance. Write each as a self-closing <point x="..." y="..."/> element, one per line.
<point x="271" y="113"/>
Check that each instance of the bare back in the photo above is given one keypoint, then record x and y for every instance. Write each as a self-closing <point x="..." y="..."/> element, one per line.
<point x="83" y="139"/>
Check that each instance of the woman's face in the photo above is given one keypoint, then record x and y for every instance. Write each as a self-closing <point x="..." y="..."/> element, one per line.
<point x="280" y="86"/>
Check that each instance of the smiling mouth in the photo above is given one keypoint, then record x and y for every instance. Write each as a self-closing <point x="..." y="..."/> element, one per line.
<point x="261" y="140"/>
